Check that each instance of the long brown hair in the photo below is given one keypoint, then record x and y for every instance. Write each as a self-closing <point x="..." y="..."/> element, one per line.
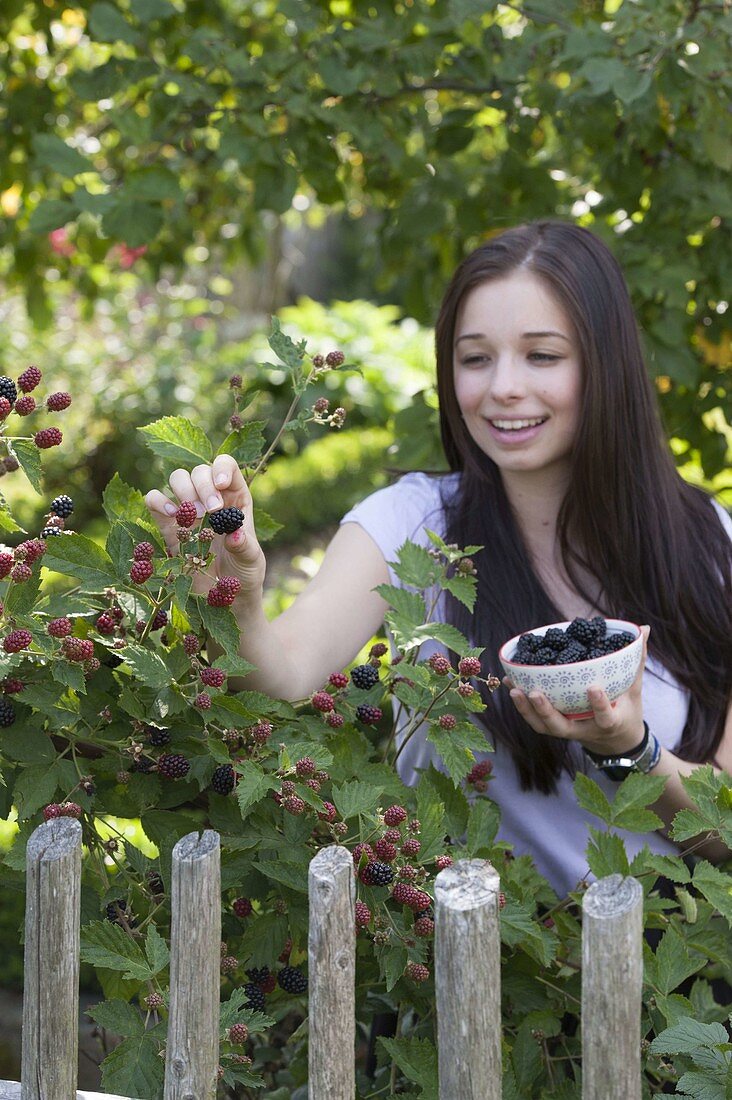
<point x="654" y="542"/>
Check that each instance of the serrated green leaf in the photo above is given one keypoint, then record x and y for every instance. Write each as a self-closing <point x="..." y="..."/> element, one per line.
<point x="148" y="10"/>
<point x="78" y="556"/>
<point x="463" y="588"/>
<point x="284" y="348"/>
<point x="69" y="675"/>
<point x="107" y="945"/>
<point x="448" y="635"/>
<point x="592" y="798"/>
<point x="119" y="1017"/>
<point x="147" y="666"/>
<point x="220" y="624"/>
<point x="52" y="214"/>
<point x="351" y="799"/>
<point x="687" y="824"/>
<point x="415" y="567"/>
<point x="21" y="598"/>
<point x="409" y="606"/>
<point x="253" y="784"/>
<point x="417" y="1059"/>
<point x="134" y="1068"/>
<point x="156" y="950"/>
<point x="292" y="875"/>
<point x="265" y="526"/>
<point x="119" y="547"/>
<point x="264" y="939"/>
<point x="52" y="152"/>
<point x="606" y="854"/>
<point x="234" y="665"/>
<point x="485" y="817"/>
<point x="122" y="501"/>
<point x="671" y="867"/>
<point x="245" y="445"/>
<point x="436" y="787"/>
<point x="457" y="747"/>
<point x="29" y="458"/>
<point x="519" y="927"/>
<point x="716" y="887"/>
<point x="674" y="962"/>
<point x="686" y="1036"/>
<point x="629" y="805"/>
<point x="178" y="440"/>
<point x="35" y="787"/>
<point x="233" y="1012"/>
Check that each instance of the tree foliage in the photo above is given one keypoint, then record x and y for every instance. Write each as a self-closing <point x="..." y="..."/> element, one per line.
<point x="191" y="128"/>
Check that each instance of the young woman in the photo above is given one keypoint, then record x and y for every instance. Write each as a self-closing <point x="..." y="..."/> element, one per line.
<point x="560" y="470"/>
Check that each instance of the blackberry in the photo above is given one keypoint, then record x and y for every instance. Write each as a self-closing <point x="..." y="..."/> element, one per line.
<point x="141" y="571"/>
<point x="582" y="631"/>
<point x="395" y="815"/>
<point x="8" y="389"/>
<point x="7" y="713"/>
<point x="385" y="850"/>
<point x="243" y="908"/>
<point x="158" y="737"/>
<point x="48" y="437"/>
<point x="24" y="406"/>
<point x="238" y="1033"/>
<point x="258" y="974"/>
<point x="368" y="715"/>
<point x="469" y="666"/>
<point x="292" y="980"/>
<point x="62" y="506"/>
<point x="362" y="914"/>
<point x="29" y="379"/>
<point x="571" y="653"/>
<point x="226" y="520"/>
<point x="17" y="640"/>
<point x="143" y="551"/>
<point x="418" y="972"/>
<point x="255" y="998"/>
<point x="555" y="638"/>
<point x="155" y="884"/>
<point x="364" y="676"/>
<point x="376" y="873"/>
<point x="614" y="642"/>
<point x="117" y="911"/>
<point x="212" y="677"/>
<point x="142" y="764"/>
<point x="173" y="766"/>
<point x="223" y="780"/>
<point x="57" y="402"/>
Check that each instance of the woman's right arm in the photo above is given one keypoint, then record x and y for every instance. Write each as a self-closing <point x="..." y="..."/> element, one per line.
<point x="325" y="626"/>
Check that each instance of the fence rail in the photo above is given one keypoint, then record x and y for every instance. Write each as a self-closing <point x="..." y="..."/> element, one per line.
<point x="467" y="976"/>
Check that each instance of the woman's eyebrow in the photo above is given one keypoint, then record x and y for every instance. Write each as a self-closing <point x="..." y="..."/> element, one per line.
<point x="524" y="336"/>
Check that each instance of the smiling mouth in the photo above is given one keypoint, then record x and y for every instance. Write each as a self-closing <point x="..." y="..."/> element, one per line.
<point x="517" y="425"/>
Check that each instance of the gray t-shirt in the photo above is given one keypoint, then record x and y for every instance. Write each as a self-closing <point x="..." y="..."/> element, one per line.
<point x="552" y="828"/>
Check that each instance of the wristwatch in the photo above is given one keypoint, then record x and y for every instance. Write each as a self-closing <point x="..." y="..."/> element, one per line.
<point x="643" y="758"/>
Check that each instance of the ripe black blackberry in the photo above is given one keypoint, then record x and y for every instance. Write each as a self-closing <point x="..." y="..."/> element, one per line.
<point x="571" y="653"/>
<point x="142" y="764"/>
<point x="173" y="765"/>
<point x="258" y="974"/>
<point x="118" y="912"/>
<point x="292" y="980"/>
<point x="255" y="998"/>
<point x="226" y="520"/>
<point x="376" y="873"/>
<point x="223" y="779"/>
<point x="555" y="638"/>
<point x="62" y="506"/>
<point x="584" y="631"/>
<point x="8" y="389"/>
<point x="48" y="532"/>
<point x="7" y="713"/>
<point x="157" y="737"/>
<point x="367" y="714"/>
<point x="364" y="676"/>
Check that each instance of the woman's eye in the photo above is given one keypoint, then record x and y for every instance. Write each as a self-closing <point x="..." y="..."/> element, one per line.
<point x="543" y="357"/>
<point x="473" y="360"/>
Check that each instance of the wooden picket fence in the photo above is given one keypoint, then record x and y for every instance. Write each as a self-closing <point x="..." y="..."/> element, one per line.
<point x="467" y="976"/>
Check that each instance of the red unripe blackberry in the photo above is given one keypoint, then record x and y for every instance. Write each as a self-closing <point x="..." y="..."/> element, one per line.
<point x="385" y="851"/>
<point x="294" y="805"/>
<point x="160" y="619"/>
<point x="238" y="1033"/>
<point x="417" y="972"/>
<point x="292" y="980"/>
<point x="235" y="422"/>
<point x="376" y="873"/>
<point x="335" y="358"/>
<point x="338" y="679"/>
<point x="411" y="847"/>
<point x="235" y="382"/>
<point x="186" y="515"/>
<point x="288" y="787"/>
<point x="21" y="572"/>
<point x="313" y="784"/>
<point x="242" y="907"/>
<point x="91" y="665"/>
<point x="415" y="825"/>
<point x="334" y="720"/>
<point x="479" y="770"/>
<point x="70" y="809"/>
<point x="447" y="721"/>
<point x="442" y="862"/>
<point x="393" y="836"/>
<point x="439" y="664"/>
<point x="318" y="361"/>
<point x="77" y="649"/>
<point x="223" y="780"/>
<point x="52" y="810"/>
<point x="205" y="535"/>
<point x="322" y="701"/>
<point x="5" y="407"/>
<point x="305" y="766"/>
<point x="141" y="571"/>
<point x="24" y="406"/>
<point x="224" y="592"/>
<point x="144" y="551"/>
<point x="285" y="952"/>
<point x="378" y="650"/>
<point x="395" y="815"/>
<point x="363" y="914"/>
<point x="469" y="666"/>
<point x="10" y="462"/>
<point x="465" y="690"/>
<point x="322" y="776"/>
<point x="57" y="402"/>
<point x="406" y="894"/>
<point x="7" y="713"/>
<point x="226" y="520"/>
<point x="328" y="813"/>
<point x="48" y="437"/>
<point x="212" y="677"/>
<point x="261" y="732"/>
<point x="29" y="379"/>
<point x="367" y="714"/>
<point x="153" y="1001"/>
<point x="34" y="549"/>
<point x="173" y="766"/>
<point x="321" y="405"/>
<point x="12" y="686"/>
<point x="423" y="926"/>
<point x="17" y="640"/>
<point x="202" y="701"/>
<point x="501" y="900"/>
<point x="105" y="623"/>
<point x="229" y="963"/>
<point x="364" y="676"/>
<point x="360" y="850"/>
<point x="191" y="645"/>
<point x="6" y="564"/>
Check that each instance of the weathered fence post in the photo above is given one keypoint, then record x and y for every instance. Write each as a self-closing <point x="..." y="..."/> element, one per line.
<point x="195" y="959"/>
<point x="468" y="981"/>
<point x="50" y="1044"/>
<point x="612" y="980"/>
<point x="332" y="974"/>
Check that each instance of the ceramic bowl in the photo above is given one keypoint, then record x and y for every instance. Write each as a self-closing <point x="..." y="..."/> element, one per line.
<point x="565" y="686"/>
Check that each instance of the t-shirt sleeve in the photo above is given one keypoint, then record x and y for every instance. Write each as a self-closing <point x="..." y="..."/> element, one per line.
<point x="725" y="517"/>
<point x="400" y="512"/>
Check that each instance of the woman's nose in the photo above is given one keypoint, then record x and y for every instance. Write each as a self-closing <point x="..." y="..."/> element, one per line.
<point x="507" y="379"/>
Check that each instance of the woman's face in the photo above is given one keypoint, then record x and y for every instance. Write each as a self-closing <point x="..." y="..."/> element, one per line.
<point x="517" y="374"/>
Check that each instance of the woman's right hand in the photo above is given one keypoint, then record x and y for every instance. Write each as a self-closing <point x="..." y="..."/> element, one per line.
<point x="210" y="487"/>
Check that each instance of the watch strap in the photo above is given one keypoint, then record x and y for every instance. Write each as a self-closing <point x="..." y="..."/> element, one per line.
<point x="643" y="759"/>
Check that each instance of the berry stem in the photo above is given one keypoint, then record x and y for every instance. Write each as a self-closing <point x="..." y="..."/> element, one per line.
<point x="419" y="719"/>
<point x="288" y="417"/>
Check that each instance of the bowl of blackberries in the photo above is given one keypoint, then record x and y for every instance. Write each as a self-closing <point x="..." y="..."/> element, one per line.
<point x="563" y="660"/>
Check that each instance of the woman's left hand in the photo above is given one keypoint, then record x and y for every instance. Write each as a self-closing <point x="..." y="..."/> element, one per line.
<point x="614" y="729"/>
